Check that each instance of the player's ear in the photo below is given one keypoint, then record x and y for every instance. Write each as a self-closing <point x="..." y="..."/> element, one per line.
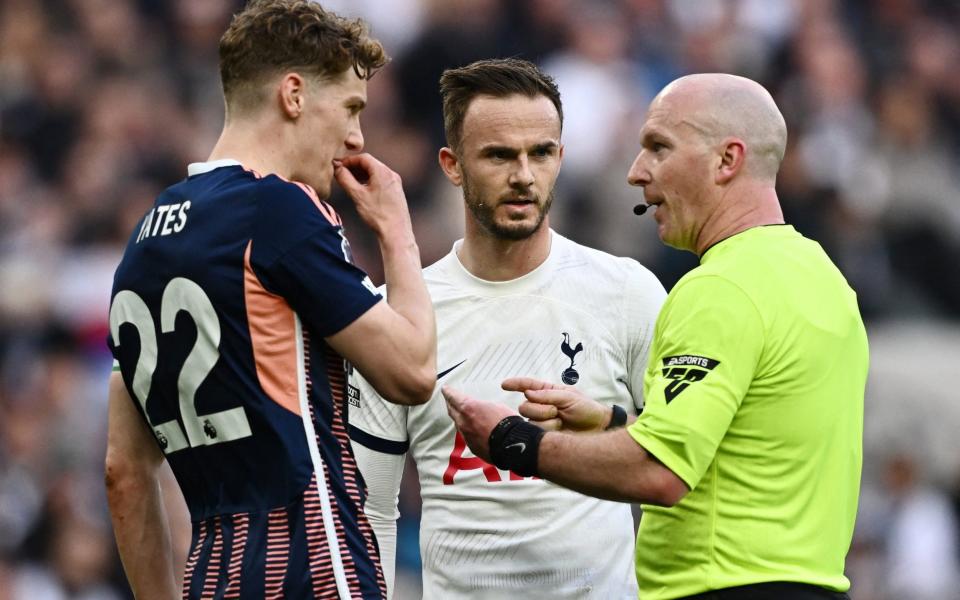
<point x="291" y="94"/>
<point x="733" y="152"/>
<point x="450" y="164"/>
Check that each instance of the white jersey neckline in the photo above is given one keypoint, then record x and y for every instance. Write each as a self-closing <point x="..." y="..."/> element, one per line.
<point x="528" y="282"/>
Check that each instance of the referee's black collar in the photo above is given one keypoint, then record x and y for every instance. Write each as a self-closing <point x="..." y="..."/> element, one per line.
<point x="718" y="242"/>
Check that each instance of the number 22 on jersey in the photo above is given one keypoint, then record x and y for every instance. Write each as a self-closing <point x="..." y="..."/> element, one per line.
<point x="181" y="294"/>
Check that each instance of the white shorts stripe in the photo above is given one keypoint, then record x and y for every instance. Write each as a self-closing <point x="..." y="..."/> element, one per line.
<point x="329" y="526"/>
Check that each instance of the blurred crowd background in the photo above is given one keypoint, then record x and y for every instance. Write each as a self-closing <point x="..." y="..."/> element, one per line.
<point x="104" y="102"/>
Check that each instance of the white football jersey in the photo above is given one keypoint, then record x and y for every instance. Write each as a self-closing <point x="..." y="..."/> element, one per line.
<point x="583" y="318"/>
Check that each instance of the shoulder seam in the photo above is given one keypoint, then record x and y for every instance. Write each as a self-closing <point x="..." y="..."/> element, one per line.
<point x="325" y="208"/>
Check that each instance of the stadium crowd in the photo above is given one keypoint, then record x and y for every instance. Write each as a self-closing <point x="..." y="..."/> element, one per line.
<point x="104" y="102"/>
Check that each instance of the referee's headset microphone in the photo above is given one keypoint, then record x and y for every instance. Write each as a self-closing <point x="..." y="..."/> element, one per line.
<point x="640" y="209"/>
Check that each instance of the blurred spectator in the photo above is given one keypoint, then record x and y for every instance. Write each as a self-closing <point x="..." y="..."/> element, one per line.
<point x="601" y="91"/>
<point x="104" y="102"/>
<point x="921" y="553"/>
<point x="77" y="565"/>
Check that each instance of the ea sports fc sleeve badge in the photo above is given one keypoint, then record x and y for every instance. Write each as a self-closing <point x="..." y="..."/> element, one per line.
<point x="684" y="370"/>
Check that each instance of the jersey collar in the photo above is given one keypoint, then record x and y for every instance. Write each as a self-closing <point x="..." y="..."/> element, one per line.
<point x="199" y="168"/>
<point x="748" y="233"/>
<point x="530" y="282"/>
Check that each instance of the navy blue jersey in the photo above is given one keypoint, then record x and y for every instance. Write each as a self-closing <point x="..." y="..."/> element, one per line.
<point x="219" y="311"/>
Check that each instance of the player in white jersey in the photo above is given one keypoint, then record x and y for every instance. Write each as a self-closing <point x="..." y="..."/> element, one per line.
<point x="512" y="298"/>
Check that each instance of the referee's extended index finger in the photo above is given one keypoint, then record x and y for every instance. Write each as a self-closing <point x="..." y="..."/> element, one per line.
<point x="523" y="384"/>
<point x="556" y="396"/>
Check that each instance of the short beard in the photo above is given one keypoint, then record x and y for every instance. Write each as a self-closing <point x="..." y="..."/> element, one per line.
<point x="483" y="212"/>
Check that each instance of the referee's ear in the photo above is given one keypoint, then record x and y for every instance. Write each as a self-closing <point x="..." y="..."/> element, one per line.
<point x="450" y="164"/>
<point x="733" y="155"/>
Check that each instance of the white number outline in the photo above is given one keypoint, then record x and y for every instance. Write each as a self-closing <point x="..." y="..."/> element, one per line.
<point x="180" y="294"/>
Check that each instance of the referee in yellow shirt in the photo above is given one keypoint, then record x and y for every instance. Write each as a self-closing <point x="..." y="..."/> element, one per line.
<point x="748" y="453"/>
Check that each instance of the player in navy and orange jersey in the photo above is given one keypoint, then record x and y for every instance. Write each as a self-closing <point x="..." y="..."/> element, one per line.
<point x="233" y="310"/>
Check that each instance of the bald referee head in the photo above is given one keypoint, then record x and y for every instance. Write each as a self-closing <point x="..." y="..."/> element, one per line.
<point x="711" y="147"/>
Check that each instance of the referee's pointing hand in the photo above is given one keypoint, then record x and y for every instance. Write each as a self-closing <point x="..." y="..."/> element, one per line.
<point x="558" y="407"/>
<point x="475" y="419"/>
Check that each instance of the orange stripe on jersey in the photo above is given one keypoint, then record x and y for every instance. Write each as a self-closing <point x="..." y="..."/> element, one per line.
<point x="278" y="553"/>
<point x="325" y="209"/>
<point x="241" y="525"/>
<point x="273" y="336"/>
<point x="213" y="566"/>
<point x="192" y="560"/>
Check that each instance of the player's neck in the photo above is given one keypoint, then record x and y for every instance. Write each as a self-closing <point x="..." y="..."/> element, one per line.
<point x="254" y="147"/>
<point x="740" y="210"/>
<point x="494" y="259"/>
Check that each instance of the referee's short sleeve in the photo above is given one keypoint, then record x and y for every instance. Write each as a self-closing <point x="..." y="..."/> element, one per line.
<point x="705" y="354"/>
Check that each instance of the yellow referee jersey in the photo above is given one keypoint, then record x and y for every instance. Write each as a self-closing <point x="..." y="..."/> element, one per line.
<point x="754" y="397"/>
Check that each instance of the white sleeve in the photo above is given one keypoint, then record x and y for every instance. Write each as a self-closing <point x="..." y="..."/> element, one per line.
<point x="643" y="297"/>
<point x="374" y="422"/>
<point x="378" y="435"/>
<point x="382" y="474"/>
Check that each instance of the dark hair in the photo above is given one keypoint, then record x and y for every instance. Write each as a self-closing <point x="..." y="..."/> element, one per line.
<point x="271" y="36"/>
<point x="497" y="78"/>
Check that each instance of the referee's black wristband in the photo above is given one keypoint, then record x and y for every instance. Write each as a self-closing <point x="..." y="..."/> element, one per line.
<point x="515" y="445"/>
<point x="618" y="418"/>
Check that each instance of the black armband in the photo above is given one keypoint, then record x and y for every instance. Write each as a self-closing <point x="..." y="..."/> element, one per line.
<point x="618" y="418"/>
<point x="515" y="445"/>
